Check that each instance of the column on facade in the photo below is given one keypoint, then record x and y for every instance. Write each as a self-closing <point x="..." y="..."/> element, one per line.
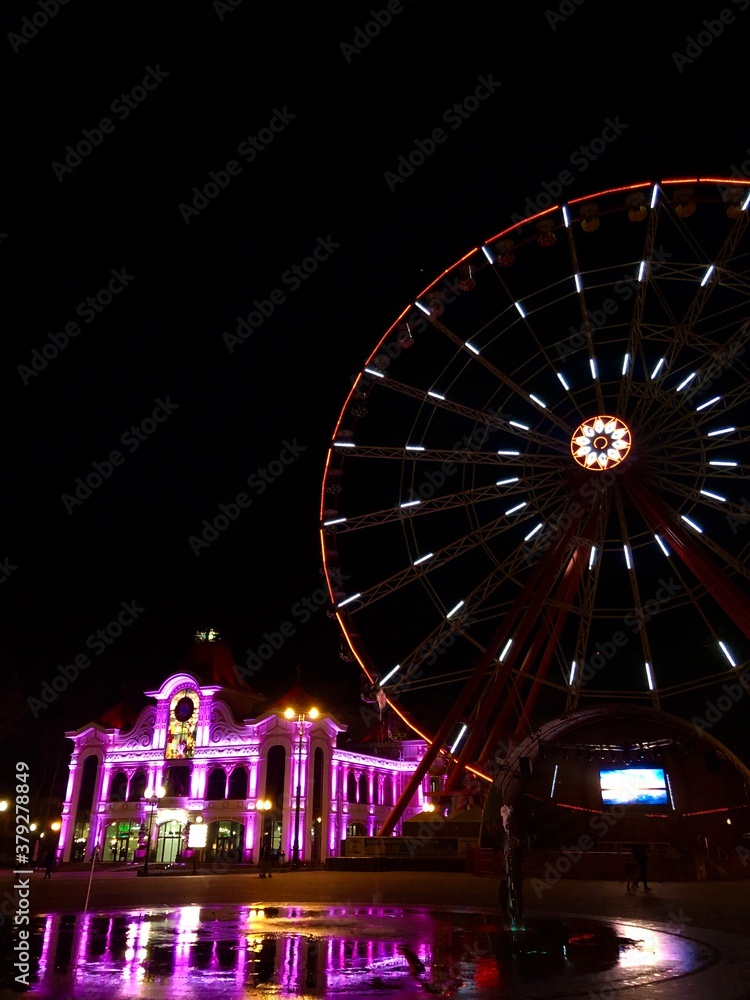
<point x="96" y="833"/>
<point x="198" y="781"/>
<point x="253" y="775"/>
<point x="304" y="782"/>
<point x="67" y="822"/>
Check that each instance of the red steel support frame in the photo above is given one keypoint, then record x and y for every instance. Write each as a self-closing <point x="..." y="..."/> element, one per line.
<point x="533" y="593"/>
<point x="664" y="520"/>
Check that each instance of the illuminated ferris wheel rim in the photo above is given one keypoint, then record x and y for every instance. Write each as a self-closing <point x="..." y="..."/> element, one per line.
<point x="653" y="186"/>
<point x="373" y="373"/>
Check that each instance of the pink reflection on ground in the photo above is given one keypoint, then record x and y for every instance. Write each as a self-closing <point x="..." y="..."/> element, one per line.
<point x="293" y="951"/>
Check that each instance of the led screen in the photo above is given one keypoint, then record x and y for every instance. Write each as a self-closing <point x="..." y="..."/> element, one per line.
<point x="634" y="786"/>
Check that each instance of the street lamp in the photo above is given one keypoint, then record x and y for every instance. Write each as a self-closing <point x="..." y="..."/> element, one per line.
<point x="290" y="713"/>
<point x="263" y="806"/>
<point x="153" y="800"/>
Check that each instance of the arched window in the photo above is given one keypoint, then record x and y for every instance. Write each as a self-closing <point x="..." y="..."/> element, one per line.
<point x="238" y="783"/>
<point x="119" y="787"/>
<point x="137" y="786"/>
<point x="276" y="774"/>
<point x="85" y="805"/>
<point x="363" y="796"/>
<point x="351" y="787"/>
<point x="177" y="780"/>
<point x="217" y="784"/>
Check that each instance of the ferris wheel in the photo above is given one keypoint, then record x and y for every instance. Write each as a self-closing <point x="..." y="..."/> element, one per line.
<point x="536" y="491"/>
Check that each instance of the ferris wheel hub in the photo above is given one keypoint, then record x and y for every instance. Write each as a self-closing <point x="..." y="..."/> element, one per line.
<point x="601" y="443"/>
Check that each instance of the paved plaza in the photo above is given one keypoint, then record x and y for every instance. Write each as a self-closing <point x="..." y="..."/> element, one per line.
<point x="683" y="940"/>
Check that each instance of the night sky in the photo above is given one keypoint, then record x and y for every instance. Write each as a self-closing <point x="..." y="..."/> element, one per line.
<point x="129" y="283"/>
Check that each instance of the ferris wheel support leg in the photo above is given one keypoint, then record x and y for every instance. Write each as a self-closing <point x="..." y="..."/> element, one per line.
<point x="536" y="587"/>
<point x="664" y="520"/>
<point x="570" y="581"/>
<point x="529" y="605"/>
<point x="565" y="595"/>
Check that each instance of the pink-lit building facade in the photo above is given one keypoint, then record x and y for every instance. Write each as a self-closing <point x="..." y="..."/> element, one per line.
<point x="215" y="758"/>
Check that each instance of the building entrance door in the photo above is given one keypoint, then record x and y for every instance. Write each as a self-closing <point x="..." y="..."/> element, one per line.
<point x="168" y="842"/>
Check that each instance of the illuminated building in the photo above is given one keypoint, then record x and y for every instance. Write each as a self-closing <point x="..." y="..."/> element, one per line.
<point x="218" y="752"/>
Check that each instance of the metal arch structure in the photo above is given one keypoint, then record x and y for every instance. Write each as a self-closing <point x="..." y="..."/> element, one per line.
<point x="480" y="556"/>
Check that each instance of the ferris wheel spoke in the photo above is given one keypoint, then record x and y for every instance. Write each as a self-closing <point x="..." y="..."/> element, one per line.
<point x="428" y="564"/>
<point x="439" y="401"/>
<point x="628" y="552"/>
<point x="505" y="380"/>
<point x="541" y="347"/>
<point x="709" y="499"/>
<point x="704" y="681"/>
<point x="411" y="509"/>
<point x="707" y="276"/>
<point x="656" y="308"/>
<point x="698" y="382"/>
<point x="586" y="324"/>
<point x="423" y="454"/>
<point x="637" y="313"/>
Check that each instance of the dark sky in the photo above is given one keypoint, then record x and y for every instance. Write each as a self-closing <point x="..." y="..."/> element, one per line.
<point x="166" y="99"/>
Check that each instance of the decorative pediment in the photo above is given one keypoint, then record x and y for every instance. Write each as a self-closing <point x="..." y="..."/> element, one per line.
<point x="176" y="681"/>
<point x="142" y="733"/>
<point x="223" y="728"/>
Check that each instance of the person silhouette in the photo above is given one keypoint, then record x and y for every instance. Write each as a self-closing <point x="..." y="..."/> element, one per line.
<point x="640" y="854"/>
<point x="265" y="858"/>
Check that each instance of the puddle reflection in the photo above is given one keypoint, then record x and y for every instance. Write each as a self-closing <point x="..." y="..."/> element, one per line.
<point x="232" y="952"/>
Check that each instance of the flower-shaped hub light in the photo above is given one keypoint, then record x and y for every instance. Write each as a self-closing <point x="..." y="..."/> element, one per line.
<point x="601" y="443"/>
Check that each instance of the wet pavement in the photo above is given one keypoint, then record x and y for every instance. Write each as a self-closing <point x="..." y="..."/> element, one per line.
<point x="378" y="947"/>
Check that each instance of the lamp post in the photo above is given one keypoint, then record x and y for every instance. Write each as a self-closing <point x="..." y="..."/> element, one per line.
<point x="290" y="713"/>
<point x="263" y="806"/>
<point x="153" y="801"/>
